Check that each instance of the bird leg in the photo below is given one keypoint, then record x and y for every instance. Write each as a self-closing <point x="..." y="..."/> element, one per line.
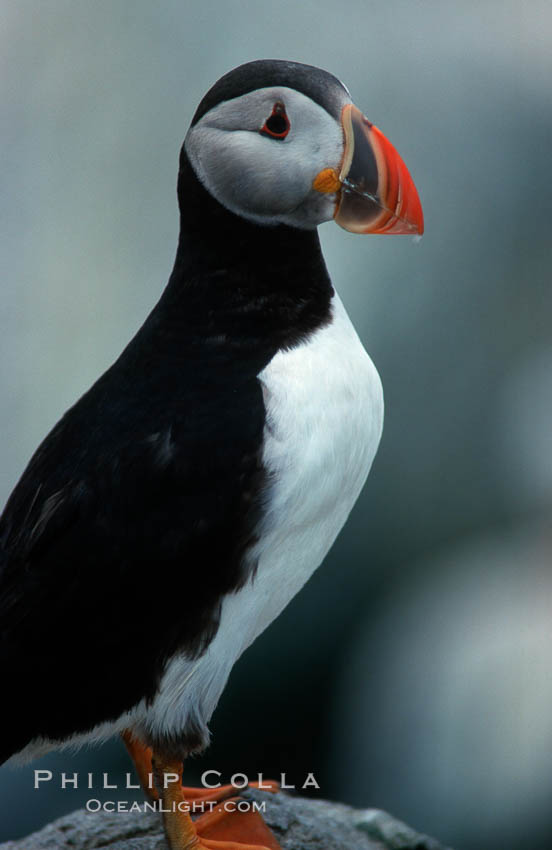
<point x="141" y="757"/>
<point x="179" y="827"/>
<point x="223" y="828"/>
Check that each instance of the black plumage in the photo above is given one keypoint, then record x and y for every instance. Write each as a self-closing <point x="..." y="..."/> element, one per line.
<point x="132" y="518"/>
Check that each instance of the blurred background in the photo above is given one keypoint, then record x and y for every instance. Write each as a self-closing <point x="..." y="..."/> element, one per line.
<point x="413" y="672"/>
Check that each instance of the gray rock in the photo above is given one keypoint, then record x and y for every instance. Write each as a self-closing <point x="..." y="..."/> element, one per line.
<point x="297" y="822"/>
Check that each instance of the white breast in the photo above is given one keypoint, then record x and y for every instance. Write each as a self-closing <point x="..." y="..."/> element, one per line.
<point x="324" y="406"/>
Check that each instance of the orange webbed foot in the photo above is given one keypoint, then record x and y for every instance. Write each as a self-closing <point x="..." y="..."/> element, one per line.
<point x="226" y="827"/>
<point x="229" y="828"/>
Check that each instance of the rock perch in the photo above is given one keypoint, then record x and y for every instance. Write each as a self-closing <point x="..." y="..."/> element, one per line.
<point x="298" y="823"/>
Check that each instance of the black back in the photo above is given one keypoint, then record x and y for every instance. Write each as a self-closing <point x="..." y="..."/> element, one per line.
<point x="133" y="517"/>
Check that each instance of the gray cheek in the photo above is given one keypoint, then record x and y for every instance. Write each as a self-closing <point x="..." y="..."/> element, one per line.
<point x="264" y="180"/>
<point x="273" y="190"/>
<point x="249" y="174"/>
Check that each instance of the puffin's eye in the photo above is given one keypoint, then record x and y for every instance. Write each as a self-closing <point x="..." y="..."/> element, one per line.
<point x="277" y="126"/>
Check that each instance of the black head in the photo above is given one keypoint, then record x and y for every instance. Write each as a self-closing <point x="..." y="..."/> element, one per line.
<point x="320" y="86"/>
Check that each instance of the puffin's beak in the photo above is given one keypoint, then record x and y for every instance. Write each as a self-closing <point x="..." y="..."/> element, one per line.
<point x="375" y="192"/>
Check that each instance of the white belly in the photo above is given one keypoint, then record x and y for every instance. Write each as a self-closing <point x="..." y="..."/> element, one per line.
<point x="324" y="406"/>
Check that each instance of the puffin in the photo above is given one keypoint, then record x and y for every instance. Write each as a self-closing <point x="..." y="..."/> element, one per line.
<point x="188" y="495"/>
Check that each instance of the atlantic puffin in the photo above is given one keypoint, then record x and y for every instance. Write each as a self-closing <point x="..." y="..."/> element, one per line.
<point x="181" y="503"/>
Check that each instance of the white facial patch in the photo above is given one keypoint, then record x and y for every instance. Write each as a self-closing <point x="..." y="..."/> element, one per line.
<point x="262" y="178"/>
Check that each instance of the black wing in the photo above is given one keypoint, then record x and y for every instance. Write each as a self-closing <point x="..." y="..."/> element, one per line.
<point x="127" y="527"/>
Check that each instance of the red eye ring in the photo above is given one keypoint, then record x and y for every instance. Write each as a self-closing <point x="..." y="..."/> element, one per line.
<point x="277" y="126"/>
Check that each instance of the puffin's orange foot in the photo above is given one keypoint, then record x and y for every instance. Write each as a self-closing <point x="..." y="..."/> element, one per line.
<point x="228" y="828"/>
